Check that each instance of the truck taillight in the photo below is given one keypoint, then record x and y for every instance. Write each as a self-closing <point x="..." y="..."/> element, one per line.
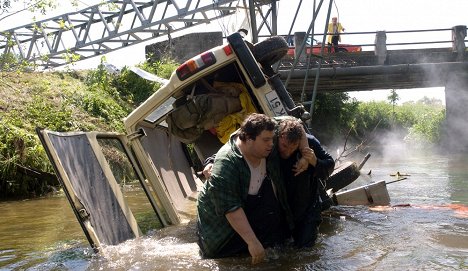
<point x="227" y="49"/>
<point x="194" y="65"/>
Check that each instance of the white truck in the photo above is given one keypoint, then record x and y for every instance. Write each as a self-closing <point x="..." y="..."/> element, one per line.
<point x="235" y="78"/>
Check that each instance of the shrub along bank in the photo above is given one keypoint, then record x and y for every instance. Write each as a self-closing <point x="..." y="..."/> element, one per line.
<point x="60" y="101"/>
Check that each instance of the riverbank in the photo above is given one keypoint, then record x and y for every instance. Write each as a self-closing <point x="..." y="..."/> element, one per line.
<point x="91" y="100"/>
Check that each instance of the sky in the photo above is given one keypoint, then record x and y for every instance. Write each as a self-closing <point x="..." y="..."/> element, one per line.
<point x="355" y="15"/>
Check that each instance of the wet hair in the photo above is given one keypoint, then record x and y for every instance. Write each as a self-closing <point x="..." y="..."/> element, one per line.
<point x="291" y="129"/>
<point x="255" y="124"/>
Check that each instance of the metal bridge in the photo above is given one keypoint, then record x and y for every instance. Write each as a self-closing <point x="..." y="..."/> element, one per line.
<point x="110" y="26"/>
<point x="107" y="27"/>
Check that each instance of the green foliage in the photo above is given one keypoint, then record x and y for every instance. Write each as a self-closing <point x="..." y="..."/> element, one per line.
<point x="61" y="101"/>
<point x="11" y="62"/>
<point x="419" y="122"/>
<point x="136" y="89"/>
<point x="333" y="114"/>
<point x="373" y="115"/>
<point x="71" y="58"/>
<point x="20" y="147"/>
<point x="106" y="108"/>
<point x="393" y="97"/>
<point x="43" y="6"/>
<point x="427" y="126"/>
<point x="101" y="80"/>
<point x="43" y="115"/>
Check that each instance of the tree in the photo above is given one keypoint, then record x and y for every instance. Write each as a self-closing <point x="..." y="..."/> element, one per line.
<point x="393" y="98"/>
<point x="42" y="6"/>
<point x="429" y="101"/>
<point x="5" y="5"/>
<point x="10" y="61"/>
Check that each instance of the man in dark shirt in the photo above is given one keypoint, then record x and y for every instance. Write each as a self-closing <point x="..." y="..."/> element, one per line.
<point x="303" y="189"/>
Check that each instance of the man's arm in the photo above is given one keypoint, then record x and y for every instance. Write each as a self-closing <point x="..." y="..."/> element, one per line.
<point x="317" y="157"/>
<point x="240" y="224"/>
<point x="325" y="163"/>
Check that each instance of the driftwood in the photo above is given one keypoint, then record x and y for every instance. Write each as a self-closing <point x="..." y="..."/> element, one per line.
<point x="46" y="177"/>
<point x="398" y="174"/>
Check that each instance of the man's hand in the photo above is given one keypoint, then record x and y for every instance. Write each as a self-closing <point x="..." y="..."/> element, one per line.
<point x="301" y="165"/>
<point x="257" y="251"/>
<point x="308" y="158"/>
<point x="240" y="224"/>
<point x="309" y="155"/>
<point x="207" y="170"/>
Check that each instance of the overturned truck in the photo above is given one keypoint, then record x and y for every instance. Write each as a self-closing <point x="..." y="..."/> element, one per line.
<point x="204" y="101"/>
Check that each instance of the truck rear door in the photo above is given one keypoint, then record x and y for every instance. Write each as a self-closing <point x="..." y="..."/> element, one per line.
<point x="89" y="168"/>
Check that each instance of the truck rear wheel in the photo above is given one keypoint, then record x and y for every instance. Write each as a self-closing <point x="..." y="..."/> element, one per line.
<point x="342" y="176"/>
<point x="270" y="51"/>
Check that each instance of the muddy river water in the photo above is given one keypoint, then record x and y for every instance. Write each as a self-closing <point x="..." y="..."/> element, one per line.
<point x="426" y="228"/>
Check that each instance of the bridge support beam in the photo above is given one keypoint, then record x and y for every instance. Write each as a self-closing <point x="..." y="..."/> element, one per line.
<point x="455" y="132"/>
<point x="299" y="38"/>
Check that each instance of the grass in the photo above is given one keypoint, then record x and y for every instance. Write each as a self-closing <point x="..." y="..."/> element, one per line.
<point x="91" y="100"/>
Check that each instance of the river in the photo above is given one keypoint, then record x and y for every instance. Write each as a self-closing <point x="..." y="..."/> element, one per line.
<point x="425" y="229"/>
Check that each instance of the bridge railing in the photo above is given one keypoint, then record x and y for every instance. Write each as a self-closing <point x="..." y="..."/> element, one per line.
<point x="381" y="41"/>
<point x="404" y="39"/>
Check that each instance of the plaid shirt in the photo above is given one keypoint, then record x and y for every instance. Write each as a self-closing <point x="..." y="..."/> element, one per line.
<point x="226" y="191"/>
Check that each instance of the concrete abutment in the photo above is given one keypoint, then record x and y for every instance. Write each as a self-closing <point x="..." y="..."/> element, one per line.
<point x="455" y="129"/>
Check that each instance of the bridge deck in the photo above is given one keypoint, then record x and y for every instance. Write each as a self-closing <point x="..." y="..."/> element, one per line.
<point x="415" y="68"/>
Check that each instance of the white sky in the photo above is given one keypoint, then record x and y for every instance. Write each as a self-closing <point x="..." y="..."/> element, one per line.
<point x="355" y="15"/>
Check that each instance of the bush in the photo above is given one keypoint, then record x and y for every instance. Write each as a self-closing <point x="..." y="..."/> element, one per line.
<point x="60" y="101"/>
<point x="19" y="147"/>
<point x="417" y="121"/>
<point x="333" y="115"/>
<point x="136" y="89"/>
<point x="427" y="127"/>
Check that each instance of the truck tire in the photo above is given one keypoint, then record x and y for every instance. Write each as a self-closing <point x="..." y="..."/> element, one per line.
<point x="270" y="51"/>
<point x="342" y="176"/>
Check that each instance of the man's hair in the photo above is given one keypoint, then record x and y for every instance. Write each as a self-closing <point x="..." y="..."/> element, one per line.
<point x="291" y="129"/>
<point x="254" y="124"/>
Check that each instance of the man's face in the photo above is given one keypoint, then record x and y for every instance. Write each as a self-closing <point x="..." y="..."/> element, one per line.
<point x="334" y="20"/>
<point x="286" y="148"/>
<point x="262" y="145"/>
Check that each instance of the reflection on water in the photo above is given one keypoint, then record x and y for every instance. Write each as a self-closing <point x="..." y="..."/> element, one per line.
<point x="426" y="228"/>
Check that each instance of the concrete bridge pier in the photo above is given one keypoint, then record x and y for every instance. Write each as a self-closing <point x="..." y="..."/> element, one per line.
<point x="381" y="47"/>
<point x="455" y="131"/>
<point x="299" y="38"/>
